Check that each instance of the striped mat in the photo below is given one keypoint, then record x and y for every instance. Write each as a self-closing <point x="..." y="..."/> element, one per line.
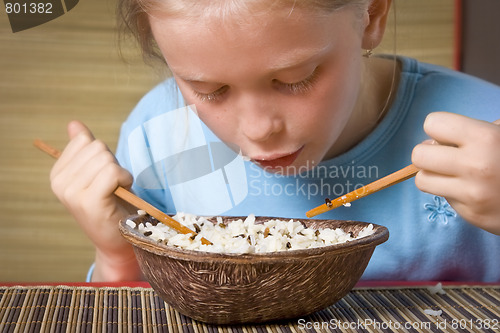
<point x="138" y="309"/>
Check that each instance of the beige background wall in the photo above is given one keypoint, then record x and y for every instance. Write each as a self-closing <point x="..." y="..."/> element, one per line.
<point x="70" y="69"/>
<point x="66" y="69"/>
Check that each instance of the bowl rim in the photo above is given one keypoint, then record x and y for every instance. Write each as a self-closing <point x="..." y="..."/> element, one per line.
<point x="133" y="236"/>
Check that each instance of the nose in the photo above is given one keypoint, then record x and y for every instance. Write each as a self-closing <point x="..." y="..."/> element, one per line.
<point x="259" y="119"/>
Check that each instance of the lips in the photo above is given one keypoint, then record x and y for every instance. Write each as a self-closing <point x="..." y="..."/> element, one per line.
<point x="279" y="162"/>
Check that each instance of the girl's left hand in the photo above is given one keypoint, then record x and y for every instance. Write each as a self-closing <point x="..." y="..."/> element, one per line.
<point x="462" y="164"/>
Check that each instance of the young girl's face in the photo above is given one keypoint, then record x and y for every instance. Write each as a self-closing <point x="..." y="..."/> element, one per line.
<point x="280" y="85"/>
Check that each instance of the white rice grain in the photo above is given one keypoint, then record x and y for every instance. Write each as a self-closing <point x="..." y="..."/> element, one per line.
<point x="434" y="313"/>
<point x="437" y="289"/>
<point x="245" y="236"/>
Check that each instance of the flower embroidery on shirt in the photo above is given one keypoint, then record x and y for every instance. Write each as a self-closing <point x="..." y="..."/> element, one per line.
<point x="440" y="210"/>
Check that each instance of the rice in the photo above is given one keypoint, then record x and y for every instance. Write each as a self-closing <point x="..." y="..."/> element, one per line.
<point x="434" y="313"/>
<point x="244" y="235"/>
<point x="437" y="289"/>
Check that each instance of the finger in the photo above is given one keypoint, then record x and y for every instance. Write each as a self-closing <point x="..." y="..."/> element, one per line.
<point x="497" y="122"/>
<point x="453" y="129"/>
<point x="435" y="183"/>
<point x="473" y="194"/>
<point x="76" y="127"/>
<point x="80" y="137"/>
<point x="109" y="177"/>
<point x="83" y="172"/>
<point x="436" y="158"/>
<point x="77" y="161"/>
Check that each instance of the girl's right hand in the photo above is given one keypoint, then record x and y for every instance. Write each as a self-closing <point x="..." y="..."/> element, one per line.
<point x="84" y="179"/>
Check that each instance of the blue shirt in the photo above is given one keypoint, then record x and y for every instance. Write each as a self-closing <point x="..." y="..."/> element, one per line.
<point x="179" y="165"/>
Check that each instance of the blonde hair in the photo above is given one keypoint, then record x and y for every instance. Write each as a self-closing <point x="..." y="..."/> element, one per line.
<point x="133" y="14"/>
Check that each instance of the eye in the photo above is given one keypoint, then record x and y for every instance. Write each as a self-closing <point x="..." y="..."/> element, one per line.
<point x="214" y="96"/>
<point x="298" y="87"/>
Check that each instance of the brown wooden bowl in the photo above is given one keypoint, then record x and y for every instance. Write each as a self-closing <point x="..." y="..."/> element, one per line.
<point x="242" y="288"/>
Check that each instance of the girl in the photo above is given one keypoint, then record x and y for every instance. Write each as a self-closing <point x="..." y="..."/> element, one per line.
<point x="276" y="105"/>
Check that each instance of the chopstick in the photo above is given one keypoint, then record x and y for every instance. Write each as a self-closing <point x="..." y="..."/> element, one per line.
<point x="389" y="180"/>
<point x="132" y="198"/>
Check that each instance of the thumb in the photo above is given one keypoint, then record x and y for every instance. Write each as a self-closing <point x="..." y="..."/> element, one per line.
<point x="76" y="127"/>
<point x="497" y="122"/>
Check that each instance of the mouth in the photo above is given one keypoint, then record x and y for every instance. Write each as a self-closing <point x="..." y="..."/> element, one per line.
<point x="278" y="162"/>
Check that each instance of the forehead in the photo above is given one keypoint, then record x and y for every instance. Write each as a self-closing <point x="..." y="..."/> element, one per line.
<point x="222" y="8"/>
<point x="230" y="14"/>
<point x="272" y="39"/>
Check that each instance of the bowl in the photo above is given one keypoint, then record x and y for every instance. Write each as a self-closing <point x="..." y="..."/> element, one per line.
<point x="223" y="288"/>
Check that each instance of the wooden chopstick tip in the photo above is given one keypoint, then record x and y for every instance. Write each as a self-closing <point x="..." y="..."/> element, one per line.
<point x="375" y="186"/>
<point x="46" y="148"/>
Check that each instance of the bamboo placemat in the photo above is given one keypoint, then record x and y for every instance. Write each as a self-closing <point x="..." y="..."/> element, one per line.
<point x="138" y="309"/>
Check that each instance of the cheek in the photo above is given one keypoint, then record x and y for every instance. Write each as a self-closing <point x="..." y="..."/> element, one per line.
<point x="344" y="83"/>
<point x="213" y="118"/>
<point x="216" y="118"/>
<point x="220" y="122"/>
<point x="339" y="86"/>
<point x="330" y="109"/>
<point x="334" y="102"/>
